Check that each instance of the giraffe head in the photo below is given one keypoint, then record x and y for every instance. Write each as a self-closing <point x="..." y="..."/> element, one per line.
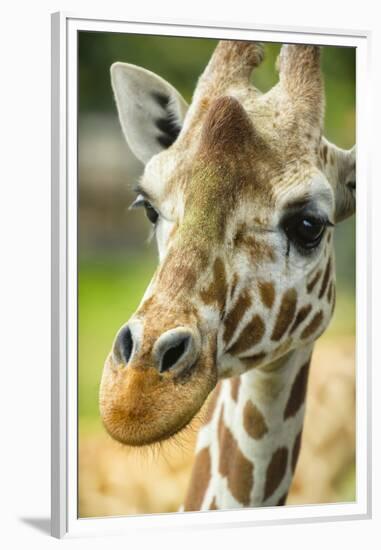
<point x="243" y="193"/>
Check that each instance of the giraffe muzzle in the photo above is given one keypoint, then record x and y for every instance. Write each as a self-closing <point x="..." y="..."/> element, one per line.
<point x="154" y="382"/>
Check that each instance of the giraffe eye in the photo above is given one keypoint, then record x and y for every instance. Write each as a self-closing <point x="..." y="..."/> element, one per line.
<point x="305" y="231"/>
<point x="151" y="213"/>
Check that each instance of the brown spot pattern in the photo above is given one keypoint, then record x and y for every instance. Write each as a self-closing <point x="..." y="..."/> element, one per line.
<point x="275" y="471"/>
<point x="249" y="337"/>
<point x="234" y="285"/>
<point x="301" y="315"/>
<point x="257" y="249"/>
<point x="333" y="298"/>
<point x="298" y="392"/>
<point x="285" y="315"/>
<point x="329" y="293"/>
<point x="234" y="465"/>
<point x="267" y="293"/>
<point x="313" y="325"/>
<point x="235" y="315"/>
<point x="199" y="481"/>
<point x="253" y="421"/>
<point x="296" y="451"/>
<point x="311" y="285"/>
<point x="325" y="280"/>
<point x="282" y="500"/>
<point x="212" y="403"/>
<point x="234" y="387"/>
<point x="213" y="504"/>
<point x="220" y="430"/>
<point x="216" y="292"/>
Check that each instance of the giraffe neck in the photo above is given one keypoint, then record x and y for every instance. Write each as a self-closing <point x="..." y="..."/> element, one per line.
<point x="248" y="448"/>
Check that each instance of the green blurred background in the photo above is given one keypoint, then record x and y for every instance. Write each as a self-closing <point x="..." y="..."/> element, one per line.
<point x="115" y="260"/>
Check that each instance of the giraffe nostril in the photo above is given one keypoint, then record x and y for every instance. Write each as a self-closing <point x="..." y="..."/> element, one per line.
<point x="174" y="353"/>
<point x="124" y="344"/>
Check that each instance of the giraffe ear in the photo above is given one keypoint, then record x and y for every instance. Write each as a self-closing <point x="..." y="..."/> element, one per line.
<point x="345" y="192"/>
<point x="151" y="111"/>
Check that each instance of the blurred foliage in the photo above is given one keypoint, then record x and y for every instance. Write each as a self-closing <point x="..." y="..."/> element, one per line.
<point x="181" y="61"/>
<point x="108" y="293"/>
<point x="167" y="56"/>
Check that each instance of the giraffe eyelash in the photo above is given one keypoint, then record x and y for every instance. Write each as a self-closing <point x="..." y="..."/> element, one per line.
<point x="151" y="212"/>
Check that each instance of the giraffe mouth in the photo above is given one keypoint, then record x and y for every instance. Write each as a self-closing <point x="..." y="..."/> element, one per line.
<point x="144" y="438"/>
<point x="139" y="406"/>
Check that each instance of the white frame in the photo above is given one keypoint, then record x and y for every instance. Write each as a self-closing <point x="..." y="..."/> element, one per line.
<point x="64" y="278"/>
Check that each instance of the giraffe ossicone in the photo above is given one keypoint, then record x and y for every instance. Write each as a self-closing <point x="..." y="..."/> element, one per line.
<point x="243" y="191"/>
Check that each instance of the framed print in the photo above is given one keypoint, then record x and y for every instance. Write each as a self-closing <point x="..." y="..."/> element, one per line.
<point x="210" y="350"/>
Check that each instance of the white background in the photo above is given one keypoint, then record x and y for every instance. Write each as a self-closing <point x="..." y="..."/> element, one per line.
<point x="25" y="270"/>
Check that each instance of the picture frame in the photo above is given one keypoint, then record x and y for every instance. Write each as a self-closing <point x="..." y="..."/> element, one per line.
<point x="65" y="521"/>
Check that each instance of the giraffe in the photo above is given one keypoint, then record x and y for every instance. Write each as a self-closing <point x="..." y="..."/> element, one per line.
<point x="243" y="191"/>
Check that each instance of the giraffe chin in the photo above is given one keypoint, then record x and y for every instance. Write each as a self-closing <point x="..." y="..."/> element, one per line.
<point x="139" y="406"/>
